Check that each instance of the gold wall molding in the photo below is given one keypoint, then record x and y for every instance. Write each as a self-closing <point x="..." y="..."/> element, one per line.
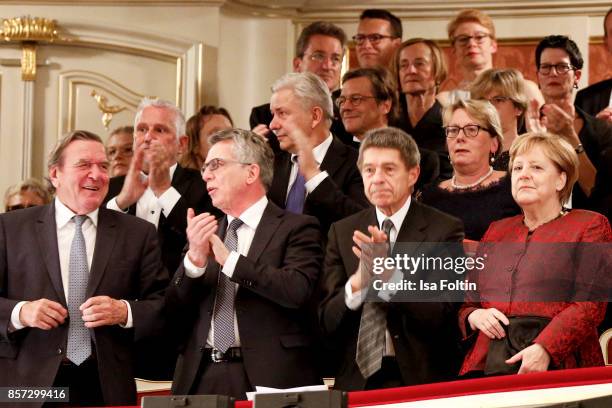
<point x="69" y="83"/>
<point x="107" y="110"/>
<point x="28" y="28"/>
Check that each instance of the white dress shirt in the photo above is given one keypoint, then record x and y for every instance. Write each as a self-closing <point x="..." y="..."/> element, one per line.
<point x="65" y="234"/>
<point x="354" y="300"/>
<point x="250" y="218"/>
<point x="319" y="153"/>
<point x="149" y="207"/>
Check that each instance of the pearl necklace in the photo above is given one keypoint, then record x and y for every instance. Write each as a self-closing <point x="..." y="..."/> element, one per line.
<point x="466" y="186"/>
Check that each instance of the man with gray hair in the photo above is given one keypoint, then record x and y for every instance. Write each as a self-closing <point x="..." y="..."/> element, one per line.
<point x="315" y="173"/>
<point x="157" y="189"/>
<point x="387" y="344"/>
<point x="247" y="277"/>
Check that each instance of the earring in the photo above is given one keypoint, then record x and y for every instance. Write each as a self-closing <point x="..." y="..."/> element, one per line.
<point x="575" y="85"/>
<point x="491" y="158"/>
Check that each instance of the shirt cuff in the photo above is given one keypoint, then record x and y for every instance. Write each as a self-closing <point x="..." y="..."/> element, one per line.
<point x="315" y="181"/>
<point x="168" y="200"/>
<point x="130" y="323"/>
<point x="112" y="205"/>
<point x="352" y="299"/>
<point x="387" y="294"/>
<point x="230" y="264"/>
<point x="15" y="322"/>
<point x="191" y="270"/>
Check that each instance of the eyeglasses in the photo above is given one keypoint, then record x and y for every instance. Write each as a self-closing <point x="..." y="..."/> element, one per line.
<point x="470" y="131"/>
<point x="498" y="100"/>
<point x="374" y="39"/>
<point x="19" y="207"/>
<point x="464" y="40"/>
<point x="320" y="57"/>
<point x="214" y="164"/>
<point x="546" y="69"/>
<point x="419" y="65"/>
<point x="355" y="99"/>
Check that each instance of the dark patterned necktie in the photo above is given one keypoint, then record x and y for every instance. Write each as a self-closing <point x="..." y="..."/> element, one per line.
<point x="79" y="342"/>
<point x="223" y="317"/>
<point x="371" y="340"/>
<point x="297" y="193"/>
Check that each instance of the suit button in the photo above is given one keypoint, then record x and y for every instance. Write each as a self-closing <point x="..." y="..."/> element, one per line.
<point x="59" y="350"/>
<point x="201" y="349"/>
<point x="509" y="268"/>
<point x="396" y="336"/>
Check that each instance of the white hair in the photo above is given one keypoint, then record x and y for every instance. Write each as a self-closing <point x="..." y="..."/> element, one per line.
<point x="179" y="118"/>
<point x="310" y="90"/>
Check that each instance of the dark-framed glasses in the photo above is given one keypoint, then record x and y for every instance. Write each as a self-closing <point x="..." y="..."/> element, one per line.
<point x="321" y="57"/>
<point x="360" y="39"/>
<point x="464" y="40"/>
<point x="214" y="164"/>
<point x="355" y="99"/>
<point x="562" y="68"/>
<point x="470" y="131"/>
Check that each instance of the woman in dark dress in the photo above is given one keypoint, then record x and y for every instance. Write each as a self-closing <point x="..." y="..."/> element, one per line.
<point x="476" y="193"/>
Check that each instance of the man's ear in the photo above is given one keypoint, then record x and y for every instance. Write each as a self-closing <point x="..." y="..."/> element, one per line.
<point x="297" y="64"/>
<point x="183" y="144"/>
<point x="53" y="176"/>
<point x="317" y="116"/>
<point x="253" y="175"/>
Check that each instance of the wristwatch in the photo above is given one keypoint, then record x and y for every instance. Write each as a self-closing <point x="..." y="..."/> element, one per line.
<point x="579" y="149"/>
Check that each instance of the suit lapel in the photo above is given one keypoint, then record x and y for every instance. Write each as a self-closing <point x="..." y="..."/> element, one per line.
<point x="106" y="233"/>
<point x="280" y="182"/>
<point x="334" y="158"/>
<point x="413" y="227"/>
<point x="270" y="220"/>
<point x="47" y="240"/>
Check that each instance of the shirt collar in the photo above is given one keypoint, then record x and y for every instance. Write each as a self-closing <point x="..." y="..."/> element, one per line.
<point x="397" y="218"/>
<point x="63" y="214"/>
<point x="172" y="169"/>
<point x="252" y="215"/>
<point x="320" y="151"/>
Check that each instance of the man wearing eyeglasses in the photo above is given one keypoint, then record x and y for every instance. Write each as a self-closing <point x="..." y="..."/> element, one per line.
<point x="240" y="293"/>
<point x="472" y="34"/>
<point x="157" y="189"/>
<point x="596" y="100"/>
<point x="320" y="50"/>
<point x="379" y="34"/>
<point x="369" y="101"/>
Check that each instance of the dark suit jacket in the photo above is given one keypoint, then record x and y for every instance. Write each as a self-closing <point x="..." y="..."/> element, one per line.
<point x="262" y="114"/>
<point x="338" y="196"/>
<point x="594" y="98"/>
<point x="171" y="228"/>
<point x="423" y="333"/>
<point x="275" y="281"/>
<point x="126" y="265"/>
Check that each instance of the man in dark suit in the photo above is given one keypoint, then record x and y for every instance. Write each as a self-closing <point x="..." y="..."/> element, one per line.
<point x="78" y="284"/>
<point x="369" y="101"/>
<point x="415" y="343"/>
<point x="320" y="50"/>
<point x="596" y="100"/>
<point x="315" y="173"/>
<point x="241" y="299"/>
<point x="157" y="189"/>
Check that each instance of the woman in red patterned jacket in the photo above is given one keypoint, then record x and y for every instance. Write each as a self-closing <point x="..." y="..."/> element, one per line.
<point x="544" y="169"/>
